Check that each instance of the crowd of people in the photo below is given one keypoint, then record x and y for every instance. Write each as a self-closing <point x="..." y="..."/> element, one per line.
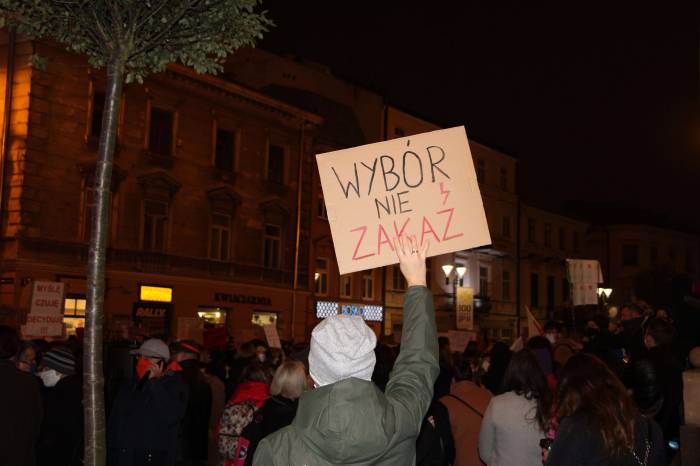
<point x="611" y="396"/>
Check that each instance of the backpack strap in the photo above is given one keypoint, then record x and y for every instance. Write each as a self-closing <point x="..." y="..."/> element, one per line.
<point x="476" y="411"/>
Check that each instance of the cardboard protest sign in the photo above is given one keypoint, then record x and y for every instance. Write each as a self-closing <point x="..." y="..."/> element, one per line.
<point x="45" y="318"/>
<point x="422" y="186"/>
<point x="272" y="337"/>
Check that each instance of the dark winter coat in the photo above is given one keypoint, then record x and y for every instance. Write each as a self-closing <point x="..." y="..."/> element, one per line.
<point x="61" y="438"/>
<point x="195" y="425"/>
<point x="580" y="443"/>
<point x="276" y="413"/>
<point x="21" y="413"/>
<point x="351" y="422"/>
<point x="145" y="420"/>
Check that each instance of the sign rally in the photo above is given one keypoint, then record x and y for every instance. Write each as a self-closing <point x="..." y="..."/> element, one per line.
<point x="422" y="186"/>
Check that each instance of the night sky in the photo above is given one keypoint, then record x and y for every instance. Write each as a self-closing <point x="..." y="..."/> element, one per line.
<point x="599" y="101"/>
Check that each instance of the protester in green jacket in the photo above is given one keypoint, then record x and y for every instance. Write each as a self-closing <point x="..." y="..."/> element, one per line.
<point x="346" y="419"/>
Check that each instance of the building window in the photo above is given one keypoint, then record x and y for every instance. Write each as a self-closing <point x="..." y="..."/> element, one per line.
<point x="550" y="292"/>
<point x="504" y="179"/>
<point x="155" y="225"/>
<point x="220" y="237"/>
<point x="225" y="151"/>
<point x="654" y="254"/>
<point x="534" y="290"/>
<point x="548" y="235"/>
<point x="275" y="164"/>
<point x="321" y="207"/>
<point x="98" y="106"/>
<point x="346" y="286"/>
<point x="480" y="171"/>
<point x="483" y="281"/>
<point x="575" y="244"/>
<point x="562" y="238"/>
<point x="367" y="285"/>
<point x="505" y="227"/>
<point x="630" y="255"/>
<point x="160" y="134"/>
<point x="88" y="210"/>
<point x="271" y="249"/>
<point x="531" y="230"/>
<point x="565" y="290"/>
<point x="321" y="276"/>
<point x="505" y="285"/>
<point x="397" y="279"/>
<point x="74" y="313"/>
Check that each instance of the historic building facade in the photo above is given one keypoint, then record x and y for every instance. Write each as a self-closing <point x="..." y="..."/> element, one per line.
<point x="206" y="207"/>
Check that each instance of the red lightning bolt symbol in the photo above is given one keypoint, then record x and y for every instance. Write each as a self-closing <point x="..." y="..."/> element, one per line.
<point x="445" y="192"/>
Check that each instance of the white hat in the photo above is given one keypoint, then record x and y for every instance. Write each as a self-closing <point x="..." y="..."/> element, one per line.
<point x="153" y="348"/>
<point x="341" y="347"/>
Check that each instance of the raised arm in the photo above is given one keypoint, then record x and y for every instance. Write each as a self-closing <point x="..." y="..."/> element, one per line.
<point x="410" y="386"/>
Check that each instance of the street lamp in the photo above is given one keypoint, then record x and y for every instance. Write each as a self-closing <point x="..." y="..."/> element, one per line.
<point x="604" y="294"/>
<point x="459" y="270"/>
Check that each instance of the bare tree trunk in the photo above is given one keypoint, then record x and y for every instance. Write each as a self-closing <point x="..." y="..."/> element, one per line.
<point x="93" y="382"/>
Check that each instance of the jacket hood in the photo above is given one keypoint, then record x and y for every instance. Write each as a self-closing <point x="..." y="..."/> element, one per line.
<point x="346" y="422"/>
<point x="251" y="392"/>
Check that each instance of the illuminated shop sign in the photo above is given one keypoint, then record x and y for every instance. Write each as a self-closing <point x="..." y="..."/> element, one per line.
<point x="159" y="294"/>
<point x="367" y="311"/>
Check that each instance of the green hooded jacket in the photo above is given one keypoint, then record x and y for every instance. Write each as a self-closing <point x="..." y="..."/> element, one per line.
<point x="352" y="422"/>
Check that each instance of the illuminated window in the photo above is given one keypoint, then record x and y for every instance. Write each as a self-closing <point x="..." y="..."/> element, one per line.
<point x="161" y="294"/>
<point x="220" y="236"/>
<point x="271" y="247"/>
<point x="321" y="276"/>
<point x="346" y="286"/>
<point x="74" y="313"/>
<point x="367" y="285"/>
<point x="264" y="318"/>
<point x="275" y="164"/>
<point x="213" y="316"/>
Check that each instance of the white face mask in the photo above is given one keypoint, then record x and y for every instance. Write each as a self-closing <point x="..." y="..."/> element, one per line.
<point x="552" y="337"/>
<point x="50" y="377"/>
<point x="261" y="357"/>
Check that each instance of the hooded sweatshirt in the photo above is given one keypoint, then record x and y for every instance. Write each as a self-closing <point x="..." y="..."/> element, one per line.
<point x="351" y="422"/>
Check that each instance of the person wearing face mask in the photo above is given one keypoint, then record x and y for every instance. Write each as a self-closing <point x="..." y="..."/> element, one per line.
<point x="61" y="435"/>
<point x="145" y="419"/>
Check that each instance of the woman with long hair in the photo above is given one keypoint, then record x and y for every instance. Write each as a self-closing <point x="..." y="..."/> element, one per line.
<point x="598" y="423"/>
<point x="515" y="421"/>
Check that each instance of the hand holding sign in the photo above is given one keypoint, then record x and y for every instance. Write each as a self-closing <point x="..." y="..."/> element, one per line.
<point x="412" y="260"/>
<point x="422" y="187"/>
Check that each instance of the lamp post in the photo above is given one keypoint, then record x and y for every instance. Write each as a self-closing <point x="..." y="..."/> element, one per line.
<point x="459" y="270"/>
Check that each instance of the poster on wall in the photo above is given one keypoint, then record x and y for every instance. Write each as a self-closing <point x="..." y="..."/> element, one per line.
<point x="423" y="186"/>
<point x="465" y="308"/>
